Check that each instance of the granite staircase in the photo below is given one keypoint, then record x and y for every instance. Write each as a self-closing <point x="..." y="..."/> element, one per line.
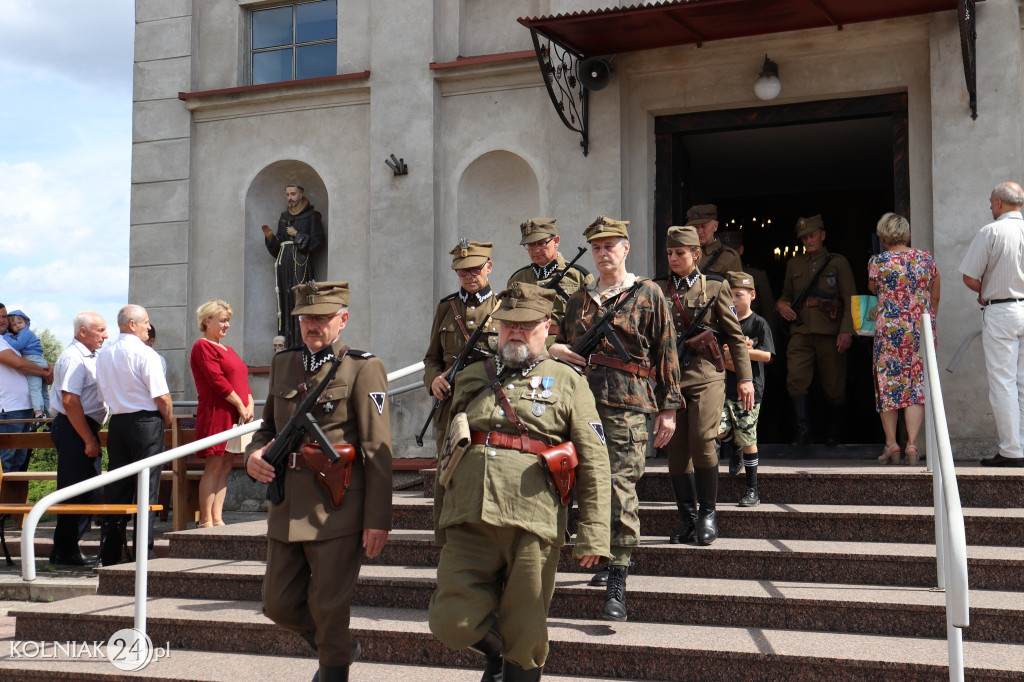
<point x="827" y="579"/>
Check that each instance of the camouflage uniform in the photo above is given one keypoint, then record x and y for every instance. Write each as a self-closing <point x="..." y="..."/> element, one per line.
<point x="626" y="401"/>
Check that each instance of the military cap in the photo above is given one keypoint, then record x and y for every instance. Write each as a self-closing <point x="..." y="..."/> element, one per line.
<point x="606" y="227"/>
<point x="536" y="229"/>
<point x="740" y="280"/>
<point x="320" y="298"/>
<point x="524" y="302"/>
<point x="808" y="225"/>
<point x="682" y="236"/>
<point x="731" y="238"/>
<point x="470" y="254"/>
<point x="701" y="213"/>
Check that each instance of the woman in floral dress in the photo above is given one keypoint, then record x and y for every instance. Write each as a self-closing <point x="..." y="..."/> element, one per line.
<point x="906" y="282"/>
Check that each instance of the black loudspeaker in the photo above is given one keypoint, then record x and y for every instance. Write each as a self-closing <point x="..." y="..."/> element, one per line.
<point x="595" y="73"/>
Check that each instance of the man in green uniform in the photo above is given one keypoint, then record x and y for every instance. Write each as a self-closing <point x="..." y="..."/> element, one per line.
<point x="692" y="460"/>
<point x="501" y="519"/>
<point x="716" y="257"/>
<point x="455" y="319"/>
<point x="313" y="548"/>
<point x="540" y="237"/>
<point x="627" y="393"/>
<point x="826" y="330"/>
<point x="764" y="304"/>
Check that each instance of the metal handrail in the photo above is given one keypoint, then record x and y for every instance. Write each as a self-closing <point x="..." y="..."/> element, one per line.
<point x="950" y="537"/>
<point x="141" y="469"/>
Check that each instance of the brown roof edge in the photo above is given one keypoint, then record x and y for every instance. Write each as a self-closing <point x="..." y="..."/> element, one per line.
<point x="271" y="86"/>
<point x="484" y="59"/>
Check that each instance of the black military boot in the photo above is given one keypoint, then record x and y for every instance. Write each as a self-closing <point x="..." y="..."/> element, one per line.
<point x="600" y="578"/>
<point x="707" y="494"/>
<point x="735" y="453"/>
<point x="331" y="673"/>
<point x="686" y="502"/>
<point x="615" y="595"/>
<point x="490" y="647"/>
<point x="802" y="435"/>
<point x="835" y="425"/>
<point x="513" y="673"/>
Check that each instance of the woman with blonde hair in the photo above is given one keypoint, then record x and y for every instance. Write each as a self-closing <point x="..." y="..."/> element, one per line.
<point x="225" y="400"/>
<point x="906" y="282"/>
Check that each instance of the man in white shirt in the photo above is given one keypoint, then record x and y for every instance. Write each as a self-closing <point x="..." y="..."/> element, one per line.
<point x="79" y="412"/>
<point x="133" y="385"/>
<point x="14" y="397"/>
<point x="994" y="268"/>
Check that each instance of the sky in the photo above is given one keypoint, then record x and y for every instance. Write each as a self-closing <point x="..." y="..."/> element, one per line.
<point x="65" y="158"/>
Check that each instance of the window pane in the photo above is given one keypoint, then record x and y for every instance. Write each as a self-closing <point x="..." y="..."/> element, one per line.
<point x="316" y="60"/>
<point x="273" y="66"/>
<point x="271" y="27"/>
<point x="316" y="21"/>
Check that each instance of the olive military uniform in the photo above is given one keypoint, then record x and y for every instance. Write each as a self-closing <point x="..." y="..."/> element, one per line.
<point x="813" y="343"/>
<point x="575" y="279"/>
<point x="727" y="260"/>
<point x="314" y="550"/>
<point x="500" y="522"/>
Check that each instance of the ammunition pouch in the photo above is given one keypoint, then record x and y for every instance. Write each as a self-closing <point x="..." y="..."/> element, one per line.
<point x="456" y="443"/>
<point x="706" y="346"/>
<point x="333" y="476"/>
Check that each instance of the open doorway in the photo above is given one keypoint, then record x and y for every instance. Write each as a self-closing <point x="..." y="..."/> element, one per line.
<point x="766" y="167"/>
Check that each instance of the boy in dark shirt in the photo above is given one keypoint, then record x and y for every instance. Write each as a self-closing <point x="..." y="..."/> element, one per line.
<point x="742" y="424"/>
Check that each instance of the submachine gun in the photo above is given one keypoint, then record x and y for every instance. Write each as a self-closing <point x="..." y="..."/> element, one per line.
<point x="798" y="302"/>
<point x="553" y="283"/>
<point x="586" y="344"/>
<point x="289" y="440"/>
<point x="461" y="361"/>
<point x="699" y="339"/>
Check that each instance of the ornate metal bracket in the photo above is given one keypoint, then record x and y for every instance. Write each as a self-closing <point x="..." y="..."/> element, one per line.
<point x="560" y="67"/>
<point x="968" y="38"/>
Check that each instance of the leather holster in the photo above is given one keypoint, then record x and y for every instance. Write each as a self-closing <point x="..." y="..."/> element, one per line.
<point x="705" y="345"/>
<point x="560" y="461"/>
<point x="456" y="443"/>
<point x="333" y="476"/>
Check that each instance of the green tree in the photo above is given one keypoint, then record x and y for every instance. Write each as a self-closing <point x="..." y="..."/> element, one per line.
<point x="52" y="347"/>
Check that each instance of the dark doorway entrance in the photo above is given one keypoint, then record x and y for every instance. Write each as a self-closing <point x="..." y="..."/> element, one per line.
<point x="768" y="166"/>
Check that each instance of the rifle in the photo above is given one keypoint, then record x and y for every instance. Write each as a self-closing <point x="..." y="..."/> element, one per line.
<point x="290" y="437"/>
<point x="586" y="344"/>
<point x="798" y="303"/>
<point x="685" y="353"/>
<point x="460" y="361"/>
<point x="554" y="281"/>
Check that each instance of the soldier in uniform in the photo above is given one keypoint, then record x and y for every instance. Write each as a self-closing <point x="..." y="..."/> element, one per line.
<point x="500" y="520"/>
<point x="540" y="237"/>
<point x="827" y="329"/>
<point x="716" y="257"/>
<point x="455" y="319"/>
<point x="313" y="548"/>
<point x="627" y="393"/>
<point x="692" y="460"/>
<point x="764" y="304"/>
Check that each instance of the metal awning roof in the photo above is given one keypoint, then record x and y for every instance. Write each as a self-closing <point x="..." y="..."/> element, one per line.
<point x="663" y="24"/>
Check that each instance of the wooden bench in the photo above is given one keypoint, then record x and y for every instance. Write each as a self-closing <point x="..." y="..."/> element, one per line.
<point x="9" y="509"/>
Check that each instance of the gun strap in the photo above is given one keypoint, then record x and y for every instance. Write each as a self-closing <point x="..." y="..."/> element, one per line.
<point x="714" y="256"/>
<point x="812" y="285"/>
<point x="675" y="299"/>
<point x="303" y="386"/>
<point x="495" y="385"/>
<point x="458" y="319"/>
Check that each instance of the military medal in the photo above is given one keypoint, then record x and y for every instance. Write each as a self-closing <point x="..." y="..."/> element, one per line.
<point x="547" y="383"/>
<point x="538" y="409"/>
<point x="534" y="384"/>
<point x="328" y="407"/>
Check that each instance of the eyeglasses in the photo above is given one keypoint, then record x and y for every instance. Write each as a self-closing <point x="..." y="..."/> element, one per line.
<point x="533" y="246"/>
<point x="466" y="272"/>
<point x="525" y="326"/>
<point x="319" y="319"/>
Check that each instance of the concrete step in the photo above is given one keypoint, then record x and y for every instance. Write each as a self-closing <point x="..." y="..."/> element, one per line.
<point x="208" y="666"/>
<point x="850" y="482"/>
<point x="578" y="647"/>
<point x="897" y="611"/>
<point x="851" y="523"/>
<point x="866" y="563"/>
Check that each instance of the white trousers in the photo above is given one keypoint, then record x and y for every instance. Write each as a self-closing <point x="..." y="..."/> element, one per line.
<point x="1003" y="337"/>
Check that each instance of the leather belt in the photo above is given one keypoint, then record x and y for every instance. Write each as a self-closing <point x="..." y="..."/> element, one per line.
<point x="811" y="303"/>
<point x="507" y="441"/>
<point x="615" y="363"/>
<point x="1005" y="300"/>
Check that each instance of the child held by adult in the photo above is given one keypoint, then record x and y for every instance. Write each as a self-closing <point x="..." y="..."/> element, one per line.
<point x="24" y="340"/>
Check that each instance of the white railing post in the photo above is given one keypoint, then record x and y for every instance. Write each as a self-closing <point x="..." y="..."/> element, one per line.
<point x="141" y="550"/>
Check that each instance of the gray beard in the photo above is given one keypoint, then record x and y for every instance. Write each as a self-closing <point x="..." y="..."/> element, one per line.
<point x="516" y="355"/>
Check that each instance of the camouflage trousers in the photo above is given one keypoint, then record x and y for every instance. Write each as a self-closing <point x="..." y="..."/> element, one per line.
<point x="626" y="437"/>
<point x="742" y="423"/>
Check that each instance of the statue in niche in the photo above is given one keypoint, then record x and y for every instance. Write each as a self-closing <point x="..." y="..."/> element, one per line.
<point x="299" y="234"/>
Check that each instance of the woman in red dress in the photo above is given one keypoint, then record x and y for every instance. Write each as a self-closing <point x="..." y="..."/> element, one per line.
<point x="222" y="383"/>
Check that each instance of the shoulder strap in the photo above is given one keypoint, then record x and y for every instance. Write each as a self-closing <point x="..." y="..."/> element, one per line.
<point x="675" y="299"/>
<point x="495" y="386"/>
<point x="458" y="319"/>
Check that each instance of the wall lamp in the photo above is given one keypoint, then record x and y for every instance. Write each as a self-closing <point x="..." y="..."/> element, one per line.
<point x="768" y="86"/>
